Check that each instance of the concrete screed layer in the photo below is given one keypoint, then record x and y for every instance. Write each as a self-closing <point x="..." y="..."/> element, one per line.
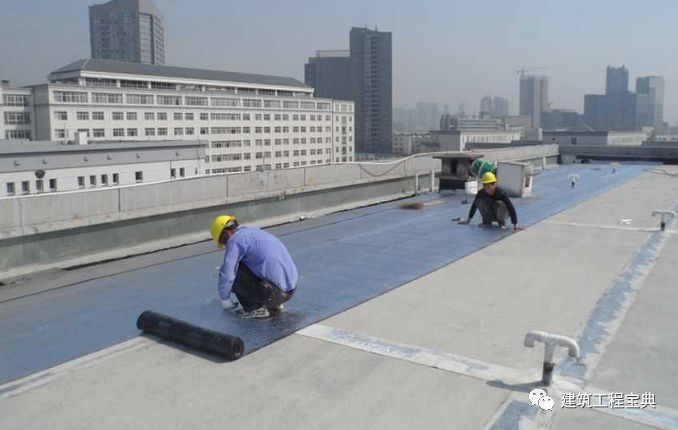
<point x="442" y="351"/>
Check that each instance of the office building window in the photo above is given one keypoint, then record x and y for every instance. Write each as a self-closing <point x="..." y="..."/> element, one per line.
<point x="70" y="97"/>
<point x="118" y="132"/>
<point x="131" y="116"/>
<point x="149" y="132"/>
<point x="162" y="131"/>
<point x="93" y="180"/>
<point x="61" y="116"/>
<point x="132" y="132"/>
<point x="115" y="179"/>
<point x="149" y="116"/>
<point x="104" y="180"/>
<point x="110" y="98"/>
<point x="15" y="100"/>
<point x="53" y="184"/>
<point x="182" y="172"/>
<point x="97" y="116"/>
<point x="139" y="176"/>
<point x="25" y="187"/>
<point x="81" y="181"/>
<point x="162" y="116"/>
<point x="11" y="190"/>
<point x="118" y="116"/>
<point x="195" y="101"/>
<point x="98" y="132"/>
<point x="173" y="173"/>
<point x="178" y="116"/>
<point x="17" y="118"/>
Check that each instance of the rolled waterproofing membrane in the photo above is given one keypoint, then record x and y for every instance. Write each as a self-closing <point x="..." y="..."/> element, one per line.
<point x="181" y="332"/>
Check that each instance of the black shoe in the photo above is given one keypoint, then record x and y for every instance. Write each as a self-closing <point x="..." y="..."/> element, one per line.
<point x="275" y="310"/>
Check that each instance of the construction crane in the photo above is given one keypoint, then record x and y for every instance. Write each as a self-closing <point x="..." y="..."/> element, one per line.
<point x="531" y="69"/>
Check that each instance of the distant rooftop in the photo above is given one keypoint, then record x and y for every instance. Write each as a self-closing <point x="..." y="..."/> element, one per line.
<point x="129" y="68"/>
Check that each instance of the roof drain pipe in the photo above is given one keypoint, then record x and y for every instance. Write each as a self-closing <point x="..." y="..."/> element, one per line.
<point x="551" y="341"/>
<point x="663" y="214"/>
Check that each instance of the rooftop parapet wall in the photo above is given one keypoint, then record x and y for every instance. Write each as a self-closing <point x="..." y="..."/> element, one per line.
<point x="80" y="227"/>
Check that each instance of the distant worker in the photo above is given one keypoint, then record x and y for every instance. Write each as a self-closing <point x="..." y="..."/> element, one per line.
<point x="493" y="203"/>
<point x="257" y="272"/>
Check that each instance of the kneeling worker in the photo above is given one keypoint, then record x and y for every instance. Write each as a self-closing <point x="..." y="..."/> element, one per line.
<point x="257" y="273"/>
<point x="493" y="203"/>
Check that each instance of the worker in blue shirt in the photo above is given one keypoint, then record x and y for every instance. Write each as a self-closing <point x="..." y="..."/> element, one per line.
<point x="257" y="272"/>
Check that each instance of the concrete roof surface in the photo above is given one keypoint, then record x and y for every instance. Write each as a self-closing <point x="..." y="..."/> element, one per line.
<point x="403" y="319"/>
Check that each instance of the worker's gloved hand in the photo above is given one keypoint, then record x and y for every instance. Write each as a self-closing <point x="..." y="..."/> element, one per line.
<point x="231" y="304"/>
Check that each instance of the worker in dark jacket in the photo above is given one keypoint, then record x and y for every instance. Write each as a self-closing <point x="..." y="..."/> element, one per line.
<point x="493" y="203"/>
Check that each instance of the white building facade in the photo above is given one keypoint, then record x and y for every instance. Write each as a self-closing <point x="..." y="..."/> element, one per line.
<point x="600" y="138"/>
<point x="251" y="122"/>
<point x="456" y="140"/>
<point x="42" y="167"/>
<point x="16" y="112"/>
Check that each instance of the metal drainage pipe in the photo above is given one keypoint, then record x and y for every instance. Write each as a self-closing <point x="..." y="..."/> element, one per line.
<point x="663" y="215"/>
<point x="551" y="341"/>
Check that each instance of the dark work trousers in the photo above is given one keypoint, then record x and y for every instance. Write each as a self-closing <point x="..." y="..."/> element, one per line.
<point x="254" y="292"/>
<point x="492" y="212"/>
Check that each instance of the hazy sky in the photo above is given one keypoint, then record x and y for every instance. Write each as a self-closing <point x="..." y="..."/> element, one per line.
<point x="449" y="51"/>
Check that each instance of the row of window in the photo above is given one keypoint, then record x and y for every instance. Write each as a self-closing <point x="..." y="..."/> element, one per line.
<point x="90" y="181"/>
<point x="60" y="133"/>
<point x="15" y="100"/>
<point x="268" y="154"/>
<point x="26" y="187"/>
<point x="17" y="118"/>
<point x="260" y="168"/>
<point x="17" y="134"/>
<point x="112" y="83"/>
<point x="174" y="100"/>
<point x="180" y="116"/>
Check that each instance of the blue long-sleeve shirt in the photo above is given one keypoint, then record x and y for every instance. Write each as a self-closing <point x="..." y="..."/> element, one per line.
<point x="264" y="254"/>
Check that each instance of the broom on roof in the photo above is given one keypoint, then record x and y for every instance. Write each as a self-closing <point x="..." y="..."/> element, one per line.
<point x="420" y="205"/>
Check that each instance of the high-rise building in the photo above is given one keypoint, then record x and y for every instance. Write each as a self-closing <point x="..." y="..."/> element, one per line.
<point x="127" y="30"/>
<point x="486" y="106"/>
<point x="650" y="93"/>
<point x="495" y="107"/>
<point x="595" y="111"/>
<point x="556" y="119"/>
<point x="501" y="107"/>
<point x="371" y="78"/>
<point x="365" y="78"/>
<point x="534" y="95"/>
<point x="329" y="73"/>
<point x="617" y="80"/>
<point x="428" y="115"/>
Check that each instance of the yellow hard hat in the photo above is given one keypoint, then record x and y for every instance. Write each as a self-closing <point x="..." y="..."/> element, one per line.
<point x="218" y="225"/>
<point x="488" y="178"/>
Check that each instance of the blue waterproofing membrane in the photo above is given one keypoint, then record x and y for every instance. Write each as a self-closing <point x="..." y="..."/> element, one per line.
<point x="344" y="259"/>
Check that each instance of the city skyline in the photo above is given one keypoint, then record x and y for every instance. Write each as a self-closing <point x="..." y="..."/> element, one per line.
<point x="589" y="32"/>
